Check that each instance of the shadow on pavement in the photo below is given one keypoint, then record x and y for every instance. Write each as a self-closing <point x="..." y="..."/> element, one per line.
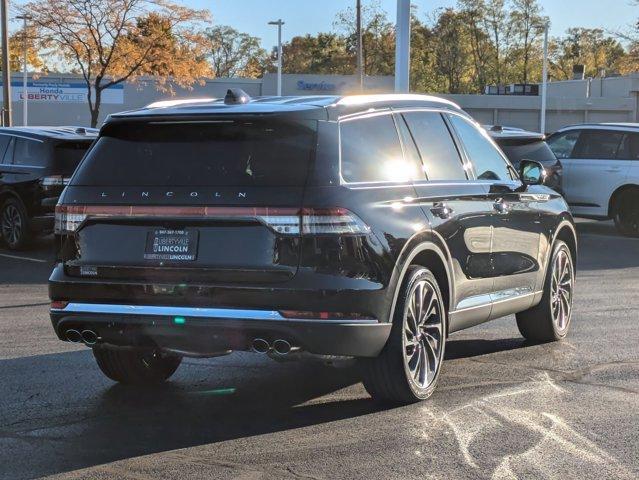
<point x="77" y="419"/>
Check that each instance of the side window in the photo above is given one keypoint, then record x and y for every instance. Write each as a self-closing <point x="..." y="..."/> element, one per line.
<point x="411" y="155"/>
<point x="486" y="158"/>
<point x="7" y="158"/>
<point x="371" y="151"/>
<point x="436" y="146"/>
<point x="629" y="149"/>
<point x="563" y="144"/>
<point x="4" y="143"/>
<point x="598" y="144"/>
<point x="30" y="153"/>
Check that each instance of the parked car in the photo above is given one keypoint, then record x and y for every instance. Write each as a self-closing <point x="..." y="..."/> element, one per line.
<point x="601" y="171"/>
<point x="519" y="144"/>
<point x="35" y="165"/>
<point x="359" y="226"/>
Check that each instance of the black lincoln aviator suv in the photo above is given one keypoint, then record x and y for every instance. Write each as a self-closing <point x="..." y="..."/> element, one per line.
<point x="361" y="226"/>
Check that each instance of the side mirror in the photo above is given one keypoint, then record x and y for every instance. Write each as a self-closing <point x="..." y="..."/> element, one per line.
<point x="532" y="172"/>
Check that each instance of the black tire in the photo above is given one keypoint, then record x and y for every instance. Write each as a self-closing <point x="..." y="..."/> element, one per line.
<point x="136" y="367"/>
<point x="544" y="322"/>
<point x="388" y="378"/>
<point x="14" y="224"/>
<point x="626" y="213"/>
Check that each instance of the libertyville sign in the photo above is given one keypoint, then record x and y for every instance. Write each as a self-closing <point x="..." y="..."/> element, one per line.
<point x="62" y="92"/>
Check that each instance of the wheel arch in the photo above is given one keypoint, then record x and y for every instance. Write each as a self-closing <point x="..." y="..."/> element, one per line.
<point x="6" y="194"/>
<point x="617" y="193"/>
<point x="567" y="233"/>
<point x="426" y="253"/>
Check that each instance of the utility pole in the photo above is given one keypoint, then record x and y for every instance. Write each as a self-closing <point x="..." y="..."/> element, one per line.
<point x="6" y="74"/>
<point x="544" y="81"/>
<point x="25" y="92"/>
<point x="360" y="47"/>
<point x="402" y="47"/>
<point x="279" y="24"/>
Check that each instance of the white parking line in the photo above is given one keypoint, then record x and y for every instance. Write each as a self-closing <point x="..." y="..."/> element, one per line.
<point x="17" y="257"/>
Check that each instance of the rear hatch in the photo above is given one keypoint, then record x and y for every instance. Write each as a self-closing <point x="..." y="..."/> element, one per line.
<point x="213" y="200"/>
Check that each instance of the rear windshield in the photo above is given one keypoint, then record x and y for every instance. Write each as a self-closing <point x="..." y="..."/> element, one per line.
<point x="516" y="151"/>
<point x="243" y="152"/>
<point x="67" y="155"/>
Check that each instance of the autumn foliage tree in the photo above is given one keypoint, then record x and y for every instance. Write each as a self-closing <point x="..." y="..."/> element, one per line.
<point x="110" y="42"/>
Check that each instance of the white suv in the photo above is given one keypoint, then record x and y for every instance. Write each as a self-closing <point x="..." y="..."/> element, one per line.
<point x="601" y="171"/>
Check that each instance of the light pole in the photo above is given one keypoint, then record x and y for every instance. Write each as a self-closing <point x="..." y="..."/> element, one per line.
<point x="360" y="47"/>
<point x="544" y="81"/>
<point x="402" y="47"/>
<point x="6" y="74"/>
<point x="279" y="24"/>
<point x="25" y="93"/>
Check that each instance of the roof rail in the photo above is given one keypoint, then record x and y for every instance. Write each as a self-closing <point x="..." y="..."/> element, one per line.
<point x="352" y="100"/>
<point x="175" y="103"/>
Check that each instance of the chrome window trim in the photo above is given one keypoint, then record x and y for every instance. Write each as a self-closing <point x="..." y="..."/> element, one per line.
<point x="390" y="111"/>
<point x="198" y="312"/>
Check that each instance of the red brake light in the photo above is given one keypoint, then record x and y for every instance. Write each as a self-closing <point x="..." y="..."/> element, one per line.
<point x="284" y="221"/>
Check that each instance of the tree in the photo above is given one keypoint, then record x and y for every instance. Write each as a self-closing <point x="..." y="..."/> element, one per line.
<point x="16" y="50"/>
<point x="453" y="51"/>
<point x="324" y="53"/>
<point x="588" y="47"/>
<point x="378" y="38"/>
<point x="474" y="12"/>
<point x="122" y="40"/>
<point x="497" y="25"/>
<point x="526" y="20"/>
<point x="236" y="54"/>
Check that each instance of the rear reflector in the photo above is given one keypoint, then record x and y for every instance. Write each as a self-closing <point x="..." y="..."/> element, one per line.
<point x="284" y="221"/>
<point x="58" y="305"/>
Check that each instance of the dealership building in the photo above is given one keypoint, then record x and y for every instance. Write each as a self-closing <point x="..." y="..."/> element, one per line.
<point x="58" y="99"/>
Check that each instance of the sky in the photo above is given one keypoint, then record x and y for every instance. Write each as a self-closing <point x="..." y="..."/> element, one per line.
<point x="312" y="16"/>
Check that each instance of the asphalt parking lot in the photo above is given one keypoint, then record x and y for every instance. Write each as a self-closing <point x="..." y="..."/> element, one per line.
<point x="503" y="409"/>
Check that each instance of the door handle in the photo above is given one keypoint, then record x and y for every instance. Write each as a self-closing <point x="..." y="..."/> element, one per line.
<point x="441" y="210"/>
<point x="613" y="170"/>
<point x="500" y="206"/>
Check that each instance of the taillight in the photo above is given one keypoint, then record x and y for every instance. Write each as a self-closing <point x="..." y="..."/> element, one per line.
<point x="68" y="218"/>
<point x="284" y="221"/>
<point x="332" y="221"/>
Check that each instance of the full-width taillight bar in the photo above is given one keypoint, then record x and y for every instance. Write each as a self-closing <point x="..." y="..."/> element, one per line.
<point x="283" y="220"/>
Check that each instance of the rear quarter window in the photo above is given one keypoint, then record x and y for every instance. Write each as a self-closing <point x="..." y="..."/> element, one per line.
<point x="31" y="153"/>
<point x="371" y="152"/>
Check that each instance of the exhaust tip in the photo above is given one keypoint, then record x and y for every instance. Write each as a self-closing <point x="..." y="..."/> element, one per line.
<point x="260" y="345"/>
<point x="89" y="337"/>
<point x="73" y="336"/>
<point x="281" y="347"/>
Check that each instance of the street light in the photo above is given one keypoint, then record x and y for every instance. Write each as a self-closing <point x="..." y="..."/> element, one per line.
<point x="25" y="95"/>
<point x="402" y="47"/>
<point x="6" y="74"/>
<point x="544" y="80"/>
<point x="279" y="24"/>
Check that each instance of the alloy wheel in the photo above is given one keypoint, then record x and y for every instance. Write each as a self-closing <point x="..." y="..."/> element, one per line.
<point x="423" y="334"/>
<point x="561" y="290"/>
<point x="11" y="225"/>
